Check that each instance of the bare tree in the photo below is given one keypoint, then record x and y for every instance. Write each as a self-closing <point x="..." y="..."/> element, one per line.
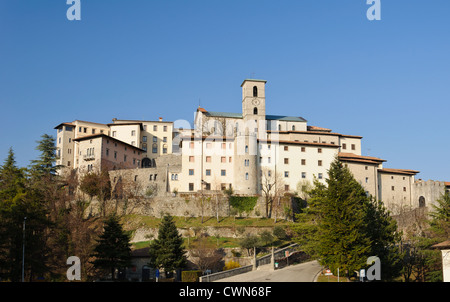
<point x="272" y="187"/>
<point x="204" y="255"/>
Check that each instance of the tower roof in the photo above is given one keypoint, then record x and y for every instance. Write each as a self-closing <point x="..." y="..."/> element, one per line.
<point x="253" y="80"/>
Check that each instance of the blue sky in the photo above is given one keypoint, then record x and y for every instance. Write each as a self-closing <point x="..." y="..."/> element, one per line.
<point x="388" y="80"/>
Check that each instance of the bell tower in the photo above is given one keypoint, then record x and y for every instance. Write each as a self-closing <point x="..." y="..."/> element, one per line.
<point x="254" y="100"/>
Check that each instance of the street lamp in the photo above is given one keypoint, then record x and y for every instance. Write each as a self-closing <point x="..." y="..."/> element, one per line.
<point x="23" y="250"/>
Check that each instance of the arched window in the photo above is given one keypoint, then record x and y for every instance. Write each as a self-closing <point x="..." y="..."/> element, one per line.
<point x="246" y="149"/>
<point x="255" y="91"/>
<point x="279" y="127"/>
<point x="255" y="111"/>
<point x="293" y="128"/>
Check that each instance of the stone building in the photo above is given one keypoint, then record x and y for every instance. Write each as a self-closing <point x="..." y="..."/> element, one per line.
<point x="251" y="152"/>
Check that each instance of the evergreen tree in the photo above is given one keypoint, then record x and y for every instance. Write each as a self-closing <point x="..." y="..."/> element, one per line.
<point x="342" y="226"/>
<point x="440" y="218"/>
<point x="18" y="201"/>
<point x="113" y="247"/>
<point x="45" y="164"/>
<point x="167" y="250"/>
<point x="344" y="243"/>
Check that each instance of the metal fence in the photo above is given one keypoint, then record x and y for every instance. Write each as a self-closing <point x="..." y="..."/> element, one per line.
<point x="264" y="260"/>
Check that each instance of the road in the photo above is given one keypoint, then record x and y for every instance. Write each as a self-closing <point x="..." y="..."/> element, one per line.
<point x="303" y="272"/>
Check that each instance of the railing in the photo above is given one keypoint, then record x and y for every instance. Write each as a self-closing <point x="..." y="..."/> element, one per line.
<point x="267" y="259"/>
<point x="88" y="156"/>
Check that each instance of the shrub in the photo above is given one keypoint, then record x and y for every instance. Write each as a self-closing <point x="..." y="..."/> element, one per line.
<point x="190" y="276"/>
<point x="231" y="265"/>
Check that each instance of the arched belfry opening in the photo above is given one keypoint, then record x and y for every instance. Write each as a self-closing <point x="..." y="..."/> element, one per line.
<point x="255" y="91"/>
<point x="255" y="111"/>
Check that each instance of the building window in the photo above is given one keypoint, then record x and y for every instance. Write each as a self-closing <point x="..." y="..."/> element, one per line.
<point x="392" y="188"/>
<point x="367" y="180"/>
<point x="93" y="131"/>
<point x="124" y="158"/>
<point x="404" y="189"/>
<point x="191" y="159"/>
<point x="319" y="162"/>
<point x="286" y="161"/>
<point x="246" y="162"/>
<point x="366" y="167"/>
<point x="208" y="172"/>
<point x="344" y="146"/>
<point x="191" y="186"/>
<point x="133" y="132"/>
<point x="115" y="154"/>
<point x="107" y="152"/>
<point x="114" y="133"/>
<point x="229" y="159"/>
<point x="246" y="176"/>
<point x="144" y="138"/>
<point x="208" y="159"/>
<point x="286" y="187"/>
<point x="155" y="128"/>
<point x="320" y="176"/>
<point x="165" y="139"/>
<point x="223" y="172"/>
<point x="191" y="171"/>
<point x="155" y="139"/>
<point x="269" y="160"/>
<point x="303" y="162"/>
<point x="286" y="148"/>
<point x="191" y="145"/>
<point x="319" y="150"/>
<point x="286" y="173"/>
<point x="303" y="174"/>
<point x="353" y="147"/>
<point x="303" y="149"/>
<point x="255" y="91"/>
<point x="155" y="148"/>
<point x="208" y="145"/>
<point x="293" y="128"/>
<point x="246" y="149"/>
<point x="207" y="186"/>
<point x="223" y="159"/>
<point x="165" y="128"/>
<point x="255" y="111"/>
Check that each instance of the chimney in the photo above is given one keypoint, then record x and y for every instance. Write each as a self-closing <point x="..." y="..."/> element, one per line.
<point x="160" y="119"/>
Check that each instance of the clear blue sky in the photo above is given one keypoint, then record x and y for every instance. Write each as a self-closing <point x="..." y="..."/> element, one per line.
<point x="388" y="80"/>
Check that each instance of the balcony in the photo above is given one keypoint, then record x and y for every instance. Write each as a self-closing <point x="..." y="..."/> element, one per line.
<point x="88" y="157"/>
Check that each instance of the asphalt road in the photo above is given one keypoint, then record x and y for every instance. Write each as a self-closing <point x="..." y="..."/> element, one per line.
<point x="304" y="272"/>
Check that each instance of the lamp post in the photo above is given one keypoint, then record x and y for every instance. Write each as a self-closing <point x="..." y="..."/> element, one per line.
<point x="23" y="250"/>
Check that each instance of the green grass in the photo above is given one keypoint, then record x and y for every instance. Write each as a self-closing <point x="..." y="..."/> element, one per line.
<point x="136" y="221"/>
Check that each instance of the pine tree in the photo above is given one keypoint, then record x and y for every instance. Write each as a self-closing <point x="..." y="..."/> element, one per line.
<point x="342" y="226"/>
<point x="45" y="164"/>
<point x="344" y="243"/>
<point x="167" y="250"/>
<point x="440" y="218"/>
<point x="113" y="247"/>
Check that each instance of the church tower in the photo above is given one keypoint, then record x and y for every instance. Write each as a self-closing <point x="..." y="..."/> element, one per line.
<point x="254" y="101"/>
<point x="246" y="145"/>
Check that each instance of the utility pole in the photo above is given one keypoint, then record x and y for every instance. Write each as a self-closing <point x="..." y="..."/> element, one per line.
<point x="23" y="250"/>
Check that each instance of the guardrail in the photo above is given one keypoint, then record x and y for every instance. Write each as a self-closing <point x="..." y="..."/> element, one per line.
<point x="267" y="259"/>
